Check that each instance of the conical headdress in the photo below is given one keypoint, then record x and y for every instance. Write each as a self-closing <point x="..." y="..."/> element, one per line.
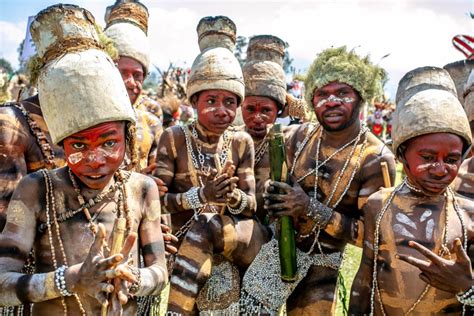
<point x="263" y="72"/>
<point x="127" y="27"/>
<point x="426" y="104"/>
<point x="79" y="85"/>
<point x="216" y="66"/>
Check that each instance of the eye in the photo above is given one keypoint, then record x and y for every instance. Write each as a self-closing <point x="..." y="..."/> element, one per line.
<point x="78" y="146"/>
<point x="229" y="102"/>
<point x="427" y="157"/>
<point x="452" y="160"/>
<point x="210" y="101"/>
<point x="109" y="143"/>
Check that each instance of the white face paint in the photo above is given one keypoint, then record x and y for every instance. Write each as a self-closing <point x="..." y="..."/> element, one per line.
<point x="207" y="110"/>
<point x="75" y="158"/>
<point x="333" y="98"/>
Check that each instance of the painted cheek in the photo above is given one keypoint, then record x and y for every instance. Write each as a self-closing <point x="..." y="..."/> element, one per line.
<point x="75" y="158"/>
<point x="423" y="167"/>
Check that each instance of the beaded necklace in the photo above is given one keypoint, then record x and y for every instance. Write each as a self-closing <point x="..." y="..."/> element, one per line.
<point x="200" y="165"/>
<point x="51" y="212"/>
<point x="354" y="142"/>
<point x="122" y="209"/>
<point x="261" y="150"/>
<point x="40" y="137"/>
<point x="443" y="249"/>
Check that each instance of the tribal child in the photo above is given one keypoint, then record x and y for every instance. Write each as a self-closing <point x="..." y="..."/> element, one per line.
<point x="334" y="167"/>
<point x="237" y="239"/>
<point x="127" y="27"/>
<point x="207" y="167"/>
<point x="75" y="272"/>
<point x="422" y="215"/>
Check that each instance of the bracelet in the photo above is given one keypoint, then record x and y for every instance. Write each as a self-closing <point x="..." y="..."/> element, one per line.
<point x="320" y="213"/>
<point x="135" y="286"/>
<point x="191" y="200"/>
<point x="61" y="281"/>
<point x="467" y="298"/>
<point x="243" y="204"/>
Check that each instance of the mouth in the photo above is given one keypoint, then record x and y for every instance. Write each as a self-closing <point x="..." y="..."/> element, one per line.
<point x="333" y="117"/>
<point x="95" y="177"/>
<point x="435" y="186"/>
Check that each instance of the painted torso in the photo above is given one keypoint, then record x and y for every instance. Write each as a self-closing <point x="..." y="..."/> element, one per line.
<point x="20" y="153"/>
<point x="367" y="179"/>
<point x="176" y="168"/>
<point x="149" y="129"/>
<point x="412" y="216"/>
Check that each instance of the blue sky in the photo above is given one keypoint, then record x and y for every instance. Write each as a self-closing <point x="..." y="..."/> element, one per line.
<point x="414" y="32"/>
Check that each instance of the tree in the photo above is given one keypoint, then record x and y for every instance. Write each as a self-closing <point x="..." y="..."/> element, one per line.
<point x="6" y="66"/>
<point x="240" y="47"/>
<point x="287" y="61"/>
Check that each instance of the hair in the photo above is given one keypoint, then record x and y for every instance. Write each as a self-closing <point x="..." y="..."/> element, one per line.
<point x="131" y="138"/>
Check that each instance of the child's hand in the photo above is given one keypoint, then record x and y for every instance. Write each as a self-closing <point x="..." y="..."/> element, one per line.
<point x="453" y="276"/>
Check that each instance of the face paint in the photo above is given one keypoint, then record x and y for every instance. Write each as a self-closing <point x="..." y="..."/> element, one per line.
<point x="336" y="106"/>
<point x="432" y="161"/>
<point x="96" y="153"/>
<point x="333" y="98"/>
<point x="216" y="110"/>
<point x="132" y="75"/>
<point x="259" y="113"/>
<point x="75" y="158"/>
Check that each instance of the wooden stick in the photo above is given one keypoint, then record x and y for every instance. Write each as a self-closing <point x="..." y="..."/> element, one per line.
<point x="118" y="235"/>
<point x="386" y="176"/>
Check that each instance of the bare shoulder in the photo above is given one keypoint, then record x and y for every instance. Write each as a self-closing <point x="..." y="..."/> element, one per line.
<point x="31" y="190"/>
<point x="141" y="181"/>
<point x="466" y="204"/>
<point x="242" y="136"/>
<point x="376" y="201"/>
<point x="11" y="117"/>
<point x="377" y="147"/>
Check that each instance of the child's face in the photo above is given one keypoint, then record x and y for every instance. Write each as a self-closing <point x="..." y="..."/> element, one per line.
<point x="96" y="153"/>
<point x="216" y="109"/>
<point x="432" y="161"/>
<point x="258" y="112"/>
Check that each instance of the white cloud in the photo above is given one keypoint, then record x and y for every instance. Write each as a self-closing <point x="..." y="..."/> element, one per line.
<point x="11" y="35"/>
<point x="414" y="33"/>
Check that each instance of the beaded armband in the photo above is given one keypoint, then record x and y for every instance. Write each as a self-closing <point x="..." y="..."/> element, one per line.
<point x="190" y="199"/>
<point x="61" y="281"/>
<point x="320" y="213"/>
<point x="243" y="204"/>
<point x="135" y="286"/>
<point x="467" y="298"/>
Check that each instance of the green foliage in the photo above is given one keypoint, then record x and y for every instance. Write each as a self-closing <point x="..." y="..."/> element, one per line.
<point x="338" y="64"/>
<point x="240" y="48"/>
<point x="7" y="67"/>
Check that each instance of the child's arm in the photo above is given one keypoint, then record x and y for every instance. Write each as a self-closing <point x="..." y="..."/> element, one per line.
<point x="155" y="275"/>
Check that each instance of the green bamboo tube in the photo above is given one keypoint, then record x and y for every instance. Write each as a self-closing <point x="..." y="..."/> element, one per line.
<point x="279" y="172"/>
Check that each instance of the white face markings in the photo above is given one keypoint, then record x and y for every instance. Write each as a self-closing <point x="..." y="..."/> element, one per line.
<point x="209" y="109"/>
<point x="75" y="158"/>
<point x="333" y="98"/>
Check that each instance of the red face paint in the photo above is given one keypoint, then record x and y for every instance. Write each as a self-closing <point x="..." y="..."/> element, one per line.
<point x="132" y="75"/>
<point x="96" y="153"/>
<point x="432" y="161"/>
<point x="216" y="110"/>
<point x="335" y="105"/>
<point x="258" y="112"/>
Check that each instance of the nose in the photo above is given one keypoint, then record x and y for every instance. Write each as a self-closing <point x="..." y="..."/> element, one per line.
<point x="333" y="101"/>
<point x="220" y="111"/>
<point x="439" y="169"/>
<point x="258" y="119"/>
<point x="129" y="81"/>
<point x="95" y="158"/>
